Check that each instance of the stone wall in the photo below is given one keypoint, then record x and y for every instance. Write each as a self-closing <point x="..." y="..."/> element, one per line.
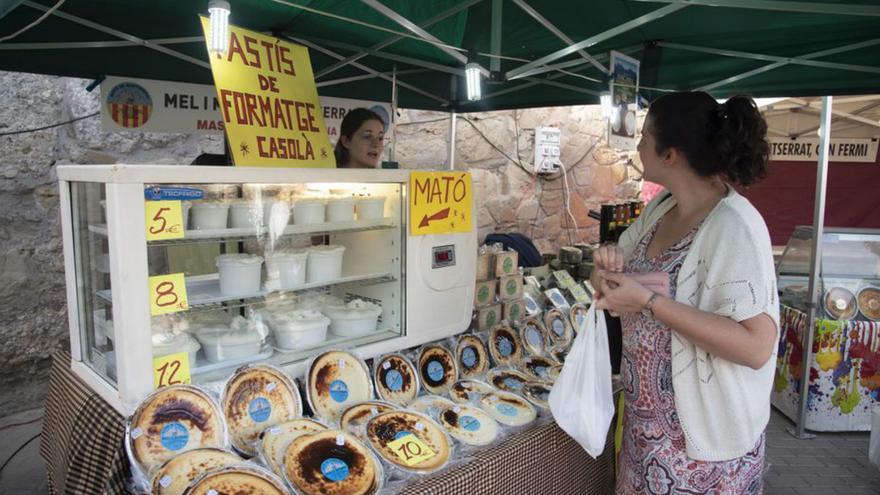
<point x="33" y="314"/>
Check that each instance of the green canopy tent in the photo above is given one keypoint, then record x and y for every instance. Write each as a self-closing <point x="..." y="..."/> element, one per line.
<point x="533" y="53"/>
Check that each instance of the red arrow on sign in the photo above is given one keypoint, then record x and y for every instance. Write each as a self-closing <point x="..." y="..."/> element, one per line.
<point x="442" y="214"/>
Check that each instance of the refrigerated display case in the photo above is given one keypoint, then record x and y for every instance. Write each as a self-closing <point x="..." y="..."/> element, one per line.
<point x="844" y="384"/>
<point x="277" y="265"/>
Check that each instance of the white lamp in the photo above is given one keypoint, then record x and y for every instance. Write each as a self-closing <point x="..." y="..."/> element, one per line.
<point x="219" y="10"/>
<point x="472" y="74"/>
<point x="605" y="101"/>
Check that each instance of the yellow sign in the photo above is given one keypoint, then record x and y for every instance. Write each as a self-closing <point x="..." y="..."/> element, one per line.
<point x="164" y="220"/>
<point x="269" y="102"/>
<point x="440" y="202"/>
<point x="411" y="450"/>
<point x="168" y="294"/>
<point x="172" y="369"/>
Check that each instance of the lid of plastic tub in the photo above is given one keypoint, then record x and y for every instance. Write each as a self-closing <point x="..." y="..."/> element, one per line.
<point x="370" y="199"/>
<point x="301" y="316"/>
<point x="328" y="250"/>
<point x="354" y="310"/>
<point x="164" y="344"/>
<point x="298" y="255"/>
<point x="340" y="200"/>
<point x="308" y="201"/>
<point x="239" y="258"/>
<point x="228" y="337"/>
<point x="210" y="204"/>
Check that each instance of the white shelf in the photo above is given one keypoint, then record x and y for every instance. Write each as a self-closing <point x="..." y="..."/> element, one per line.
<point x="196" y="235"/>
<point x="205" y="289"/>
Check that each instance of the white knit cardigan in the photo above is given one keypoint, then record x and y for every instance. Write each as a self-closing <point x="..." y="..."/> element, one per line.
<point x="723" y="407"/>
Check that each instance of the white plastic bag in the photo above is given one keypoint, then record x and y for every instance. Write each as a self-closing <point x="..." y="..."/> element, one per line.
<point x="874" y="443"/>
<point x="581" y="400"/>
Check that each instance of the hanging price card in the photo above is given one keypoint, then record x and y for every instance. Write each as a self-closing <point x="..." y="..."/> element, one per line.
<point x="172" y="369"/>
<point x="411" y="450"/>
<point x="164" y="220"/>
<point x="167" y="294"/>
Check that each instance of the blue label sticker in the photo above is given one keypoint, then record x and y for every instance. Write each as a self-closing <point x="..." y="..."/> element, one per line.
<point x="259" y="409"/>
<point x="401" y="434"/>
<point x="533" y="336"/>
<point x="541" y="371"/>
<point x="334" y="469"/>
<point x="338" y="390"/>
<point x="435" y="371"/>
<point x="506" y="409"/>
<point x="469" y="357"/>
<point x="505" y="347"/>
<point x="157" y="193"/>
<point x="579" y="318"/>
<point x="512" y="383"/>
<point x="469" y="423"/>
<point x="174" y="436"/>
<point x="558" y="327"/>
<point x="394" y="380"/>
<point x="532" y="306"/>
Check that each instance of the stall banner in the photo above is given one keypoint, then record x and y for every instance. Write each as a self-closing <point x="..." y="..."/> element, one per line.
<point x="624" y="88"/>
<point x="146" y="105"/>
<point x="269" y="102"/>
<point x="440" y="202"/>
<point x="852" y="150"/>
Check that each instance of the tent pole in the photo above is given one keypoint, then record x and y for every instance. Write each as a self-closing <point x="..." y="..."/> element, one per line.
<point x="452" y="119"/>
<point x="815" y="264"/>
<point x="393" y="123"/>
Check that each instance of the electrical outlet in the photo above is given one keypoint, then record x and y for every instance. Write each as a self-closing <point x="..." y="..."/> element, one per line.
<point x="547" y="141"/>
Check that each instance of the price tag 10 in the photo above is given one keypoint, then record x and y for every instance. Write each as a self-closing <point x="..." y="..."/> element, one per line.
<point x="168" y="294"/>
<point x="164" y="220"/>
<point x="411" y="449"/>
<point x="172" y="369"/>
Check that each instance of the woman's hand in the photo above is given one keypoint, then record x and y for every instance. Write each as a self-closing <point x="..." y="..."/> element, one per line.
<point x="608" y="258"/>
<point x="620" y="293"/>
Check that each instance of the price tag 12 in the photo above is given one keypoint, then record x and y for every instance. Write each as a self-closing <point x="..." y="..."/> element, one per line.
<point x="164" y="220"/>
<point x="411" y="450"/>
<point x="168" y="294"/>
<point x="172" y="369"/>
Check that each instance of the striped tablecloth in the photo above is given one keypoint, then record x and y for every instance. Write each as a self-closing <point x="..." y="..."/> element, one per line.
<point x="82" y="446"/>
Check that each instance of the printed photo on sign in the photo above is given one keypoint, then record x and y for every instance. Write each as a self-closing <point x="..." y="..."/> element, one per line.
<point x="624" y="91"/>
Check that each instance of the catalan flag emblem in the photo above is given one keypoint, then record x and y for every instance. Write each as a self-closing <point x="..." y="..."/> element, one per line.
<point x="129" y="105"/>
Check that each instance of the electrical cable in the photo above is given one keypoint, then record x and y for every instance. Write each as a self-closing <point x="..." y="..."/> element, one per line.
<point x="13" y="425"/>
<point x="493" y="145"/>
<point x="5" y="463"/>
<point x="430" y="121"/>
<point x="59" y="124"/>
<point x="39" y="20"/>
<point x="568" y="207"/>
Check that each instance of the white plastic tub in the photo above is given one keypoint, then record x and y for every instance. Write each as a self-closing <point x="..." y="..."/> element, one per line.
<point x="185" y="207"/>
<point x="286" y="268"/>
<point x="276" y="215"/>
<point x="370" y="208"/>
<point x="340" y="210"/>
<point x="207" y="216"/>
<point x="244" y="214"/>
<point x="325" y="263"/>
<point x="165" y="344"/>
<point x="353" y="319"/>
<point x="239" y="274"/>
<point x="240" y="339"/>
<point x="299" y="329"/>
<point x="308" y="211"/>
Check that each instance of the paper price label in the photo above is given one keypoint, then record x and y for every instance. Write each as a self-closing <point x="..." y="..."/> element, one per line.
<point x="411" y="450"/>
<point x="172" y="369"/>
<point x="164" y="220"/>
<point x="168" y="294"/>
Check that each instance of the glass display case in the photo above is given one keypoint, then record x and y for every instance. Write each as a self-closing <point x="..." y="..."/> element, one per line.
<point x="234" y="265"/>
<point x="849" y="278"/>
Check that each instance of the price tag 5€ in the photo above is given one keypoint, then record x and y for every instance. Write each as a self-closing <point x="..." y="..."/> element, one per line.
<point x="411" y="449"/>
<point x="168" y="294"/>
<point x="164" y="220"/>
<point x="172" y="369"/>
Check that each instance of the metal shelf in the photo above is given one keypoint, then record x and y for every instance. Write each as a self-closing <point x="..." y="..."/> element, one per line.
<point x="236" y="234"/>
<point x="204" y="290"/>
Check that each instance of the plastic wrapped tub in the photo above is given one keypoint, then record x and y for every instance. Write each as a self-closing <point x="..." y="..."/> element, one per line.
<point x="276" y="214"/>
<point x="169" y="343"/>
<point x="353" y="319"/>
<point x="370" y="207"/>
<point x="288" y="268"/>
<point x="244" y="214"/>
<point x="307" y="211"/>
<point x="325" y="263"/>
<point x="299" y="329"/>
<point x="340" y="209"/>
<point x="209" y="215"/>
<point x="239" y="274"/>
<point x="238" y="340"/>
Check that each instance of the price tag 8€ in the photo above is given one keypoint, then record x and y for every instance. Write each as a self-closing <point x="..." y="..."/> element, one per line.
<point x="168" y="294"/>
<point x="164" y="220"/>
<point x="411" y="450"/>
<point x="172" y="369"/>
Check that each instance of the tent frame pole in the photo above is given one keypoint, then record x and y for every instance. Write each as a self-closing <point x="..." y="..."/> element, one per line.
<point x="815" y="266"/>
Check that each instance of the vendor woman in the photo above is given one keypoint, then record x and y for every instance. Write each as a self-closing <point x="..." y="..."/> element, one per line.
<point x="361" y="140"/>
